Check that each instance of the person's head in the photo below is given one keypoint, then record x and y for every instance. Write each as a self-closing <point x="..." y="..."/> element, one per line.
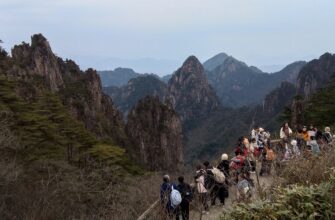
<point x="327" y="129"/>
<point x="299" y="130"/>
<point x="311" y="127"/>
<point x="181" y="179"/>
<point x="294" y="143"/>
<point x="285" y="125"/>
<point x="206" y="164"/>
<point x="240" y="140"/>
<point x="304" y="129"/>
<point x="261" y="130"/>
<point x="253" y="140"/>
<point x="245" y="141"/>
<point x="224" y="157"/>
<point x="166" y="178"/>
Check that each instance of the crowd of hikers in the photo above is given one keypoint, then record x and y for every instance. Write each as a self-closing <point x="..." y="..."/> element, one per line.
<point x="213" y="182"/>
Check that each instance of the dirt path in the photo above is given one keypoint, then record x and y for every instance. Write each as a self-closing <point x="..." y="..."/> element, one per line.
<point x="216" y="211"/>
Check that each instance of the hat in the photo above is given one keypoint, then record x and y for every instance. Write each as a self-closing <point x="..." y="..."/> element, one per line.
<point x="261" y="129"/>
<point x="224" y="157"/>
<point x="327" y="129"/>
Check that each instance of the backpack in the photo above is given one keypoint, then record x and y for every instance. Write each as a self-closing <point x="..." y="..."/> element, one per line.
<point x="175" y="197"/>
<point x="219" y="177"/>
<point x="270" y="155"/>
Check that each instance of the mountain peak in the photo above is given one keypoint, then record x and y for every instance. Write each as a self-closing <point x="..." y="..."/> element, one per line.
<point x="38" y="40"/>
<point x="192" y="65"/>
<point x="189" y="91"/>
<point x="215" y="61"/>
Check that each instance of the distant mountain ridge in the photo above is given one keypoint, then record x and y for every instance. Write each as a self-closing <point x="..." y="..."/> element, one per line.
<point x="238" y="84"/>
<point x="117" y="77"/>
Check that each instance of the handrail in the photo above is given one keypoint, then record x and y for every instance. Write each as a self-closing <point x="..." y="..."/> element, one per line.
<point x="146" y="213"/>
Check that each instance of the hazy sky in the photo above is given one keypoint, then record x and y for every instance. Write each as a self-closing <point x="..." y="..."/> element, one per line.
<point x="158" y="35"/>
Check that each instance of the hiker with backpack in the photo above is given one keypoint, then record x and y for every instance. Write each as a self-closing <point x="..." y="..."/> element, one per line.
<point x="212" y="181"/>
<point x="201" y="189"/>
<point x="237" y="164"/>
<point x="224" y="168"/>
<point x="187" y="196"/>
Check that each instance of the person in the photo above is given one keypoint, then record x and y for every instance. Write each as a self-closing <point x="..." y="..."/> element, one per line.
<point x="305" y="134"/>
<point x="311" y="132"/>
<point x="257" y="150"/>
<point x="268" y="157"/>
<point x="187" y="196"/>
<point x="285" y="132"/>
<point x="201" y="189"/>
<point x="165" y="191"/>
<point x="224" y="165"/>
<point x="295" y="148"/>
<point x="243" y="188"/>
<point x="210" y="183"/>
<point x="300" y="139"/>
<point x="327" y="136"/>
<point x="254" y="133"/>
<point x="237" y="162"/>
<point x="250" y="155"/>
<point x="315" y="146"/>
<point x="224" y="188"/>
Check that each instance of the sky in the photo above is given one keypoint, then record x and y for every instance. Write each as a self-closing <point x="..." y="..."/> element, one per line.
<point x="156" y="36"/>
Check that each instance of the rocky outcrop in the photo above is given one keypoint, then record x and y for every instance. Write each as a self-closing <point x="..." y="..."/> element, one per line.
<point x="276" y="100"/>
<point x="315" y="75"/>
<point x="189" y="92"/>
<point x="40" y="59"/>
<point x="127" y="96"/>
<point x="156" y="133"/>
<point x="80" y="91"/>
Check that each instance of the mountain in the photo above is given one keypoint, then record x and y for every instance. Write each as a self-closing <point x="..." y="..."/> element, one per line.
<point x="118" y="77"/>
<point x="215" y="61"/>
<point x="238" y="84"/>
<point x="80" y="92"/>
<point x="190" y="93"/>
<point x="155" y="129"/>
<point x="315" y="75"/>
<point x="137" y="88"/>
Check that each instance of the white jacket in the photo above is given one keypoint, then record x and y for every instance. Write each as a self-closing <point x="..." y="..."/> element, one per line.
<point x="282" y="133"/>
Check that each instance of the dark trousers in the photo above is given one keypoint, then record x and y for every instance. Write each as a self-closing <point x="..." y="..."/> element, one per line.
<point x="183" y="210"/>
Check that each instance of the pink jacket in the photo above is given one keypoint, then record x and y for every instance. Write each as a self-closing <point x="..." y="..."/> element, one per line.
<point x="201" y="184"/>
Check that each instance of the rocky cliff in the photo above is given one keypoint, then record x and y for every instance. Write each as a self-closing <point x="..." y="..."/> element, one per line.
<point x="189" y="91"/>
<point x="315" y="75"/>
<point x="156" y="133"/>
<point x="38" y="59"/>
<point x="80" y="91"/>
